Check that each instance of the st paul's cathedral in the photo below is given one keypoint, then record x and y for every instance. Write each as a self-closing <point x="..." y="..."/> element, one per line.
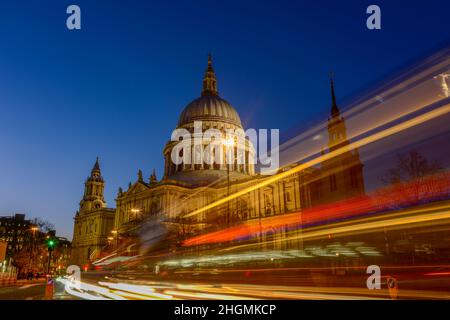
<point x="188" y="187"/>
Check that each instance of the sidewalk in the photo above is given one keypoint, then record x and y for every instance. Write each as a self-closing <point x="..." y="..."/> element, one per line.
<point x="24" y="282"/>
<point x="10" y="282"/>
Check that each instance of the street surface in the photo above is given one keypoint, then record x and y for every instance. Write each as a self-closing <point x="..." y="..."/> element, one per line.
<point x="223" y="286"/>
<point x="30" y="290"/>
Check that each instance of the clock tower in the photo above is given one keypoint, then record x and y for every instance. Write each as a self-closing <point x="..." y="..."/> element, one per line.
<point x="93" y="190"/>
<point x="93" y="221"/>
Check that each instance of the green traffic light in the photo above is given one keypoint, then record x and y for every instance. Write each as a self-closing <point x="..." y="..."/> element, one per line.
<point x="51" y="243"/>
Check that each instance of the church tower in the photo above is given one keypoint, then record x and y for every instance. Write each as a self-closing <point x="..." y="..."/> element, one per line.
<point x="93" y="222"/>
<point x="337" y="132"/>
<point x="93" y="190"/>
<point x="340" y="177"/>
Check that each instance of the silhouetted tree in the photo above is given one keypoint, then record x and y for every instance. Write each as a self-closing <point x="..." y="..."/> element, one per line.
<point x="411" y="166"/>
<point x="43" y="225"/>
<point x="414" y="180"/>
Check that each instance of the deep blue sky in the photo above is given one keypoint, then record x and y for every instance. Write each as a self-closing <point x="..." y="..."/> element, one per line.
<point x="115" y="88"/>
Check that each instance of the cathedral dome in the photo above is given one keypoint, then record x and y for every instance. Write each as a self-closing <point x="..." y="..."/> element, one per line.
<point x="209" y="108"/>
<point x="193" y="164"/>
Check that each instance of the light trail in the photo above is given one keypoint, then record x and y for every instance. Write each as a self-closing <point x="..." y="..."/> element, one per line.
<point x="82" y="289"/>
<point x="376" y="204"/>
<point x="394" y="222"/>
<point x="235" y="291"/>
<point x="209" y="296"/>
<point x="143" y="291"/>
<point x="352" y="146"/>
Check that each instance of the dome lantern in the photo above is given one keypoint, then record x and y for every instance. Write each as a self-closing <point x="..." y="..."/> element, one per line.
<point x="209" y="80"/>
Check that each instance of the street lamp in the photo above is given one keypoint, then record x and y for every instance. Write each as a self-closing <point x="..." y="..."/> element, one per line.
<point x="135" y="211"/>
<point x="116" y="234"/>
<point x="110" y="240"/>
<point x="229" y="143"/>
<point x="33" y="230"/>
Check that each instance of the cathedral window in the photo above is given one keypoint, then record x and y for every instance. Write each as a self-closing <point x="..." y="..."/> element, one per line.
<point x="268" y="197"/>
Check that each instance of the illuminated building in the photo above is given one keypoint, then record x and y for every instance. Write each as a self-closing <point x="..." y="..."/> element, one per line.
<point x="185" y="188"/>
<point x="93" y="220"/>
<point x="15" y="232"/>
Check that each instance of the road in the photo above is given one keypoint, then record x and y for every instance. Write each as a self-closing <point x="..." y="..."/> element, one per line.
<point x="127" y="287"/>
<point x="24" y="291"/>
<point x="35" y="290"/>
<point x="130" y="286"/>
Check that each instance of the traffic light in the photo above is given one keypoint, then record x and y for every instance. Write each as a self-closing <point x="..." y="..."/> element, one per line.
<point x="51" y="243"/>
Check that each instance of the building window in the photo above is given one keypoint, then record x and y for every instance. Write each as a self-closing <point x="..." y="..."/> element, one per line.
<point x="288" y="196"/>
<point x="268" y="196"/>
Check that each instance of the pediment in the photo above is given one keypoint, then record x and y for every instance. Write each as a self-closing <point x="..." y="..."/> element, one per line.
<point x="137" y="187"/>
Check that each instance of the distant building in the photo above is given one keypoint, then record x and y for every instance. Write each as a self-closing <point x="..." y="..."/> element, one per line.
<point x="61" y="257"/>
<point x="340" y="177"/>
<point x="16" y="232"/>
<point x="3" y="246"/>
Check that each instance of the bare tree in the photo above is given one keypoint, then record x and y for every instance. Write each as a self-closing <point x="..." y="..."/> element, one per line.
<point x="43" y="225"/>
<point x="415" y="179"/>
<point x="411" y="166"/>
<point x="30" y="257"/>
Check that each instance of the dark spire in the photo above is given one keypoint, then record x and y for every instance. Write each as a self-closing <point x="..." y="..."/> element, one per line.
<point x="334" y="107"/>
<point x="95" y="172"/>
<point x="209" y="80"/>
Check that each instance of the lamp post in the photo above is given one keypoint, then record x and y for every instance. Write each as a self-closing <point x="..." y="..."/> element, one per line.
<point x="135" y="211"/>
<point x="229" y="143"/>
<point x="33" y="230"/>
<point x="116" y="234"/>
<point x="110" y="240"/>
<point x="51" y="243"/>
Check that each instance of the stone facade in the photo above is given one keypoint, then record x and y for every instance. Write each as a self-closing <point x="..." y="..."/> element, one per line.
<point x="93" y="221"/>
<point x="187" y="187"/>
